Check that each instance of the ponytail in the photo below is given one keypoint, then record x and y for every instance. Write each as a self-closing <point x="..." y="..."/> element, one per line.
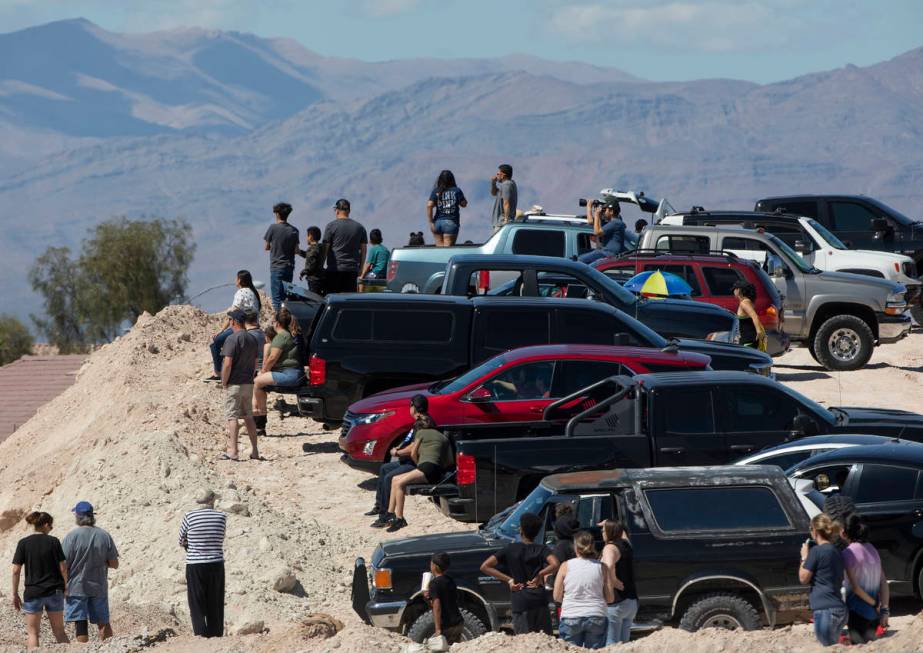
<point x="825" y="527"/>
<point x="855" y="529"/>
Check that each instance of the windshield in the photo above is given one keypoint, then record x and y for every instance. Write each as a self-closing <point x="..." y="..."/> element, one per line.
<point x="532" y="503"/>
<point x="835" y="242"/>
<point x="894" y="213"/>
<point x="469" y="377"/>
<point x="792" y="255"/>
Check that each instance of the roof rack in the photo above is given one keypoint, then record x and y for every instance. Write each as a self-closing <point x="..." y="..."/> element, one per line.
<point x="663" y="252"/>
<point x="543" y="217"/>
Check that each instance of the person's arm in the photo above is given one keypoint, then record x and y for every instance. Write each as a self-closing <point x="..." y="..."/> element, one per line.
<point x="437" y="616"/>
<point x="806" y="569"/>
<point x="268" y="361"/>
<point x="62" y="566"/>
<point x="857" y="590"/>
<point x="489" y="567"/>
<point x="113" y="564"/>
<point x="550" y="568"/>
<point x="558" y="593"/>
<point x="363" y="250"/>
<point x="610" y="558"/>
<point x="17" y="602"/>
<point x="226" y="371"/>
<point x="183" y="532"/>
<point x="415" y="451"/>
<point x="747" y="305"/>
<point x="597" y="222"/>
<point x="430" y="205"/>
<point x="266" y="245"/>
<point x="493" y="186"/>
<point x="608" y="592"/>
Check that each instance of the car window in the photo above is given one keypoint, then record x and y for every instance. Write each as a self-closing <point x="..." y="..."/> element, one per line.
<point x="480" y="280"/>
<point x="749" y="409"/>
<point x="688" y="411"/>
<point x="790" y="233"/>
<point x="744" y="244"/>
<point x="413" y="326"/>
<point x="564" y="285"/>
<point x="716" y="509"/>
<point x="521" y="382"/>
<point x="591" y="328"/>
<point x="541" y="242"/>
<point x="574" y="375"/>
<point x="721" y="280"/>
<point x="784" y="460"/>
<point x="688" y="244"/>
<point x="353" y="324"/>
<point x="584" y="243"/>
<point x="848" y="216"/>
<point x="685" y="272"/>
<point x="886" y="483"/>
<point x="621" y="274"/>
<point x="806" y="209"/>
<point x="830" y="479"/>
<point x="509" y="329"/>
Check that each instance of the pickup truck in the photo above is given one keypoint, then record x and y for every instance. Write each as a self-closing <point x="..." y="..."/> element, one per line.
<point x="712" y="547"/>
<point x="840" y="317"/>
<point x="650" y="420"/>
<point x="542" y="276"/>
<point x="818" y="246"/>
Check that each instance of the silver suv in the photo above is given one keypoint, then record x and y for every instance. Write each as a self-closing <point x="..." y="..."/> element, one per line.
<point x="839" y="316"/>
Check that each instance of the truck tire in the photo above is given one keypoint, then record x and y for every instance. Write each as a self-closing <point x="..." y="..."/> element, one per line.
<point x="424" y="627"/>
<point x="844" y="343"/>
<point x="723" y="610"/>
<point x="810" y="348"/>
<point x="916" y="310"/>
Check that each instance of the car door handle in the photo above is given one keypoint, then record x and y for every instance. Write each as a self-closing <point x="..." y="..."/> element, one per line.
<point x="742" y="447"/>
<point x="672" y="449"/>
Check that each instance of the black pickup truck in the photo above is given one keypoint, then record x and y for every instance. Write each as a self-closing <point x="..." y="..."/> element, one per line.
<point x="543" y="276"/>
<point x="651" y="420"/>
<point x="713" y="547"/>
<point x="360" y="344"/>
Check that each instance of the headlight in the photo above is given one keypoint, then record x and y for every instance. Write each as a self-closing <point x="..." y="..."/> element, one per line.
<point x="381" y="580"/>
<point x="369" y="448"/>
<point x="896" y="303"/>
<point x="371" y="418"/>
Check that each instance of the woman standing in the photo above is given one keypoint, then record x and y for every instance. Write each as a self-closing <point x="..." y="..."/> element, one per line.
<point x="282" y="366"/>
<point x="752" y="332"/>
<point x="867" y="594"/>
<point x="822" y="569"/>
<point x="46" y="578"/>
<point x="247" y="300"/>
<point x="583" y="587"/>
<point x="618" y="557"/>
<point x="447" y="199"/>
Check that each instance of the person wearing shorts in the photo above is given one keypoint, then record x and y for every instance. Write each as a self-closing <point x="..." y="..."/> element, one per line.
<point x="46" y="573"/>
<point x="443" y="209"/>
<point x="281" y="367"/>
<point x="239" y="353"/>
<point x="90" y="553"/>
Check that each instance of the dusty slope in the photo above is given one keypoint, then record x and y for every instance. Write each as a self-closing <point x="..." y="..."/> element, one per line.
<point x="139" y="432"/>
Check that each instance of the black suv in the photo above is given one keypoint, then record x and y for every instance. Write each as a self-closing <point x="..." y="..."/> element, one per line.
<point x="713" y="546"/>
<point x="886" y="484"/>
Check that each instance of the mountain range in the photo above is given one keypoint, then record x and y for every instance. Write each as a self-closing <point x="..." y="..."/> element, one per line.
<point x="218" y="126"/>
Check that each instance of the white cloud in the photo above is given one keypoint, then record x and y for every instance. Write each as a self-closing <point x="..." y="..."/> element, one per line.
<point x="711" y="25"/>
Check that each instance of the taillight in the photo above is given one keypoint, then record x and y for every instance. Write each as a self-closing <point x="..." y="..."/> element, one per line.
<point x="392" y="270"/>
<point x="317" y="370"/>
<point x="770" y="315"/>
<point x="465" y="473"/>
<point x="483" y="281"/>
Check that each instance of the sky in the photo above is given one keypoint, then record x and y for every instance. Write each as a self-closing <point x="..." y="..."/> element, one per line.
<point x="755" y="40"/>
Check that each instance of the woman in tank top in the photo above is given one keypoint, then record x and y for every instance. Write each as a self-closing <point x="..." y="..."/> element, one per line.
<point x="752" y="332"/>
<point x="583" y="587"/>
<point x="618" y="557"/>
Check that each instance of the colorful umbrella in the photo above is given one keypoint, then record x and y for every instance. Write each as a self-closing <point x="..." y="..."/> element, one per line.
<point x="654" y="283"/>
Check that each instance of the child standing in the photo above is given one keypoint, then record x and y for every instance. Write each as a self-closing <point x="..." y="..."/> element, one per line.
<point x="313" y="271"/>
<point x="443" y="597"/>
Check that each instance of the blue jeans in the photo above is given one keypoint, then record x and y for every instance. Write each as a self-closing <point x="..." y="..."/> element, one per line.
<point x="276" y="277"/>
<point x="387" y="472"/>
<point x="594" y="255"/>
<point x="51" y="603"/>
<point x="94" y="609"/>
<point x="828" y="624"/>
<point x="588" y="632"/>
<point x="287" y="376"/>
<point x="621" y="616"/>
<point x="215" y="346"/>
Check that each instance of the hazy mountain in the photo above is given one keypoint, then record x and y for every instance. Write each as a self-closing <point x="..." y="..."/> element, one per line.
<point x="218" y="126"/>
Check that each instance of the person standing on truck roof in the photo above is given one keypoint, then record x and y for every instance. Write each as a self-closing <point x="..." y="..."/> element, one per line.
<point x="240" y="352"/>
<point x="281" y="242"/>
<point x="313" y="271"/>
<point x="527" y="564"/>
<point x="503" y="188"/>
<point x="345" y="242"/>
<point x="448" y="200"/>
<point x="605" y="217"/>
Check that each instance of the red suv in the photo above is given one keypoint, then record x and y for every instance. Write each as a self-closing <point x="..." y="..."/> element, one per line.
<point x="515" y="386"/>
<point x="712" y="278"/>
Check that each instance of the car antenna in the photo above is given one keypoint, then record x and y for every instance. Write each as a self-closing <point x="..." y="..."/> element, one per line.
<point x="897" y="440"/>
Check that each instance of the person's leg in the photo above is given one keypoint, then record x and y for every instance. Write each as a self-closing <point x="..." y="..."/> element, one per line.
<point x="540" y="620"/>
<point x="275" y="288"/>
<point x="567" y="631"/>
<point x="628" y="618"/>
<point x="614" y="625"/>
<point x="215" y="347"/>
<point x="195" y="594"/>
<point x="396" y="468"/>
<point x="259" y="395"/>
<point x="449" y="239"/>
<point x="245" y="404"/>
<point x="397" y="489"/>
<point x="214" y="599"/>
<point x="592" y="255"/>
<point x="383" y="486"/>
<point x="33" y="625"/>
<point x="98" y="611"/>
<point x="520" y="623"/>
<point x="287" y="275"/>
<point x="595" y="632"/>
<point x="56" y="619"/>
<point x="75" y="611"/>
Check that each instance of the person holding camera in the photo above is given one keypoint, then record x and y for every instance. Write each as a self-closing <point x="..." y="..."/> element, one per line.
<point x="503" y="188"/>
<point x="605" y="217"/>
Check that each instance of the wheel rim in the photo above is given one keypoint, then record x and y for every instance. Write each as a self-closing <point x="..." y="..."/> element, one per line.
<point x="844" y="345"/>
<point x="724" y="621"/>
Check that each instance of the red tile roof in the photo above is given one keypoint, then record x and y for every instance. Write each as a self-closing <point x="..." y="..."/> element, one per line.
<point x="29" y="383"/>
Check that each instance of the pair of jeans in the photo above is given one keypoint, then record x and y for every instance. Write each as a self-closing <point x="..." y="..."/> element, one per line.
<point x="621" y="616"/>
<point x="387" y="472"/>
<point x="594" y="255"/>
<point x="828" y="624"/>
<point x="588" y="632"/>
<point x="216" y="345"/>
<point x="276" y="277"/>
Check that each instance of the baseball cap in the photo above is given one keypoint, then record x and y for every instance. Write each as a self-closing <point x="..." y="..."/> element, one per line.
<point x="610" y="202"/>
<point x="342" y="205"/>
<point x="83" y="508"/>
<point x="237" y="315"/>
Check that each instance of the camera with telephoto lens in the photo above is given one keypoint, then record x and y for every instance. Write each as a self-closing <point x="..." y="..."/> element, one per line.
<point x="594" y="204"/>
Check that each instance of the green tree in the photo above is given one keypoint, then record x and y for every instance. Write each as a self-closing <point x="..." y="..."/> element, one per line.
<point x="126" y="267"/>
<point x="15" y="339"/>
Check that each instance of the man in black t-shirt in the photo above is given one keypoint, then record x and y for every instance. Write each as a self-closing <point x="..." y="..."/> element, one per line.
<point x="527" y="565"/>
<point x="442" y="594"/>
<point x="345" y="242"/>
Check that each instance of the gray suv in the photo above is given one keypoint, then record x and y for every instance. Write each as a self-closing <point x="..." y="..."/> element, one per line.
<point x="840" y="317"/>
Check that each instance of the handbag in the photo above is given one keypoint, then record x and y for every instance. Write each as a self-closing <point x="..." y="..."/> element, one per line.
<point x="437" y="644"/>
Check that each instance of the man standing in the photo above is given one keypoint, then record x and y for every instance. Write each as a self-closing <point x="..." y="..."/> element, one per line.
<point x="345" y="242"/>
<point x="202" y="535"/>
<point x="282" y="244"/>
<point x="90" y="554"/>
<point x="503" y="188"/>
<point x="240" y="352"/>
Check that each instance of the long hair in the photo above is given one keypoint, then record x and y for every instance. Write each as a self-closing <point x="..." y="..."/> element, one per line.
<point x="39" y="519"/>
<point x="444" y="181"/>
<point x="246" y="281"/>
<point x="612" y="531"/>
<point x="746" y="288"/>
<point x="855" y="529"/>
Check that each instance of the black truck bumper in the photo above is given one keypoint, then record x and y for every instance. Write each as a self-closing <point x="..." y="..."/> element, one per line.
<point x="387" y="614"/>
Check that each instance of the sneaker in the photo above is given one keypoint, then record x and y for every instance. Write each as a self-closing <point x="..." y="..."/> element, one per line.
<point x="261" y="432"/>
<point x="371" y="513"/>
<point x="383" y="520"/>
<point x="397" y="524"/>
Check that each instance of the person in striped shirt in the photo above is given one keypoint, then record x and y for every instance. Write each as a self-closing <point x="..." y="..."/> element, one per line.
<point x="201" y="534"/>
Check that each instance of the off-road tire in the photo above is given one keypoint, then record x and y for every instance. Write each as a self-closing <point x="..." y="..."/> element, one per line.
<point x="424" y="626"/>
<point x="845" y="328"/>
<point x="720" y="610"/>
<point x="810" y="348"/>
<point x="916" y="310"/>
<point x="919" y="588"/>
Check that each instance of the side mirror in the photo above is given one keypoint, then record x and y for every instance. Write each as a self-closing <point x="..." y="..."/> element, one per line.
<point x="879" y="225"/>
<point x="480" y="395"/>
<point x="801" y="247"/>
